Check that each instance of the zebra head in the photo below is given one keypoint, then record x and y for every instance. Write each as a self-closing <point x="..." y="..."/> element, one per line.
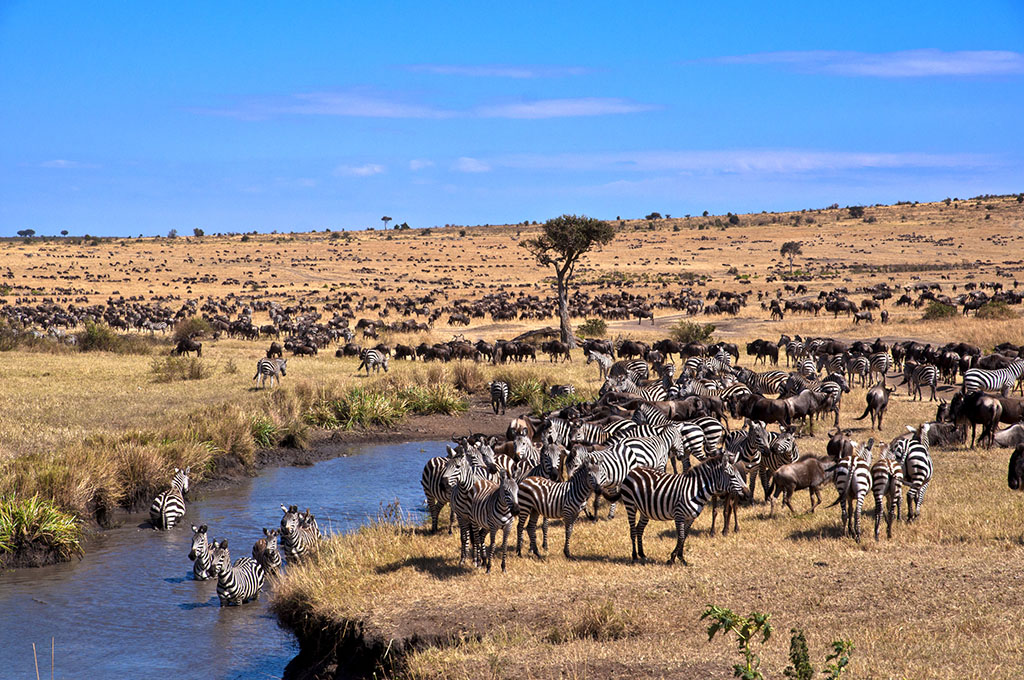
<point x="838" y="379"/>
<point x="757" y="434"/>
<point x="726" y="477"/>
<point x="509" y="491"/>
<point x="270" y="547"/>
<point x="220" y="558"/>
<point x="551" y="458"/>
<point x="283" y="364"/>
<point x="180" y="479"/>
<point x="484" y="455"/>
<point x="290" y="521"/>
<point x="455" y="465"/>
<point x="786" y="443"/>
<point x="200" y="541"/>
<point x="597" y="477"/>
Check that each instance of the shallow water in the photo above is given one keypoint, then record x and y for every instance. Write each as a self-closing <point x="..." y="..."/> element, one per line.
<point x="130" y="609"/>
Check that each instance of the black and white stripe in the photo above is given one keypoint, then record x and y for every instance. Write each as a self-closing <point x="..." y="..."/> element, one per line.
<point x="881" y="364"/>
<point x="436" y="490"/>
<point x="887" y="485"/>
<point x="270" y="369"/>
<point x="1000" y="380"/>
<point x="852" y="479"/>
<point x="540" y="497"/>
<point x="858" y="367"/>
<point x="238" y="583"/>
<point x="266" y="553"/>
<point x="300" y="535"/>
<point x="653" y="494"/>
<point x="604" y="362"/>
<point x="372" y="359"/>
<point x="200" y="554"/>
<point x="914" y="456"/>
<point x="493" y="507"/>
<point x="769" y="382"/>
<point x="169" y="506"/>
<point x="499" y="395"/>
<point x="918" y="375"/>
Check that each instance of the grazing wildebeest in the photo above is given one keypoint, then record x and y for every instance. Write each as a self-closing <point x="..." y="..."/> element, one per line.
<point x="877" y="401"/>
<point x="275" y="351"/>
<point x="977" y="408"/>
<point x="805" y="473"/>
<point x="862" y="316"/>
<point x="186" y="345"/>
<point x="1015" y="477"/>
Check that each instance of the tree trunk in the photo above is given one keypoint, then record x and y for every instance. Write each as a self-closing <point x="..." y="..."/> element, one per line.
<point x="563" y="312"/>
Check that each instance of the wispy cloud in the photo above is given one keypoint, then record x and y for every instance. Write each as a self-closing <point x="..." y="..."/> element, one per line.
<point x="366" y="105"/>
<point x="904" y="64"/>
<point x="419" y="164"/>
<point x="563" y="108"/>
<point x="66" y="164"/>
<point x="467" y="164"/>
<point x="500" y="71"/>
<point x="763" y="161"/>
<point x="367" y="170"/>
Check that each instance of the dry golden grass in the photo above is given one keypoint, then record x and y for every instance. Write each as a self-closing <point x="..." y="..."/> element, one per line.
<point x="933" y="602"/>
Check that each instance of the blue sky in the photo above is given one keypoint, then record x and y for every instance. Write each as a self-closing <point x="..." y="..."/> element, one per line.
<point x="136" y="118"/>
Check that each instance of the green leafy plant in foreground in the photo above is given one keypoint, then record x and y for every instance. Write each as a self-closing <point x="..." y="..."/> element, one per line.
<point x="746" y="629"/>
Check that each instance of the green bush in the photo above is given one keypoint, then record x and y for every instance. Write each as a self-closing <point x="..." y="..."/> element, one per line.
<point x="264" y="431"/>
<point x="996" y="310"/>
<point x="192" y="327"/>
<point x="688" y="331"/>
<point x="34" y="523"/>
<point x="173" y="369"/>
<point x="593" y="328"/>
<point x="98" y="337"/>
<point x="938" y="310"/>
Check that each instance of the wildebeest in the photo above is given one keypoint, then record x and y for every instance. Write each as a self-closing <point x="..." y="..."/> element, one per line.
<point x="275" y="350"/>
<point x="977" y="408"/>
<point x="1015" y="476"/>
<point x="805" y="473"/>
<point x="1011" y="436"/>
<point x="877" y="401"/>
<point x="186" y="345"/>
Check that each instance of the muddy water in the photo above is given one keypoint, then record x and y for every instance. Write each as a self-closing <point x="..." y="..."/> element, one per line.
<point x="130" y="608"/>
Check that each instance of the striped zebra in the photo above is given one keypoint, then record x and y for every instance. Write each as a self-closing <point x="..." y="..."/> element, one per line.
<point x="238" y="583"/>
<point x="270" y="369"/>
<point x="780" y="450"/>
<point x="769" y="382"/>
<point x="833" y="387"/>
<point x="852" y="479"/>
<point x="887" y="484"/>
<point x="300" y="535"/>
<point x="494" y="506"/>
<point x="654" y="494"/>
<point x="169" y="506"/>
<point x="604" y="362"/>
<point x="543" y="463"/>
<point x="200" y="553"/>
<point x="462" y="471"/>
<point x="556" y="429"/>
<point x="694" y="435"/>
<point x="747" y="446"/>
<point x="914" y="456"/>
<point x="581" y="432"/>
<point x="372" y="359"/>
<point x="499" y="395"/>
<point x="636" y="370"/>
<point x="807" y="368"/>
<point x="1000" y="380"/>
<point x="435" y="488"/>
<point x="652" y="392"/>
<point x="265" y="552"/>
<point x="831" y="363"/>
<point x="858" y="366"/>
<point x="539" y="497"/>
<point x="631" y="452"/>
<point x="562" y="391"/>
<point x="881" y="363"/>
<point x="918" y="375"/>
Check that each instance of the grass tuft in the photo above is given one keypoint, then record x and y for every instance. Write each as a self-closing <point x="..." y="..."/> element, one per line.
<point x="172" y="369"/>
<point x="35" y="523"/>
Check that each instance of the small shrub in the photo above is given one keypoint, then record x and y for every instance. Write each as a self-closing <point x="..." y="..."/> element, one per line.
<point x="996" y="310"/>
<point x="746" y="628"/>
<point x="34" y="523"/>
<point x="525" y="391"/>
<point x="688" y="331"/>
<point x="264" y="431"/>
<point x="467" y="376"/>
<point x="593" y="328"/>
<point x="173" y="369"/>
<point x="98" y="337"/>
<point x="601" y="622"/>
<point x="437" y="397"/>
<point x="938" y="310"/>
<point x="192" y="327"/>
<point x="231" y="367"/>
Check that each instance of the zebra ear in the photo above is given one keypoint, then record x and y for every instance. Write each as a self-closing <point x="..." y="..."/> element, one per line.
<point x="188" y="469"/>
<point x="203" y="529"/>
<point x="910" y="429"/>
<point x="176" y="470"/>
<point x="284" y="508"/>
<point x="224" y="543"/>
<point x="195" y="529"/>
<point x="266" y="532"/>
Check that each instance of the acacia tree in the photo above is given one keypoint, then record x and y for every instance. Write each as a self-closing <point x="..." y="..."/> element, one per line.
<point x="790" y="249"/>
<point x="561" y="244"/>
<point x="385" y="220"/>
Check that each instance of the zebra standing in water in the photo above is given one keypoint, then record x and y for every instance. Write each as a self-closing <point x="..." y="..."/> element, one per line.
<point x="238" y="583"/>
<point x="169" y="506"/>
<point x="373" y="359"/>
<point x="200" y="553"/>
<point x="300" y="534"/>
<point x="886" y="483"/>
<point x="1001" y="380"/>
<point x="499" y="396"/>
<point x="265" y="552"/>
<point x="914" y="456"/>
<point x="435" y="488"/>
<point x="270" y="369"/>
<point x="539" y="497"/>
<point x="662" y="496"/>
<point x="852" y="477"/>
<point x="494" y="506"/>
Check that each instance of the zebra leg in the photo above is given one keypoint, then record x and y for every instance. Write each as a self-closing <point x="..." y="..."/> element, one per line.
<point x="641" y="525"/>
<point x="531" y="529"/>
<point x="504" y="544"/>
<point x="435" y="513"/>
<point x="888" y="515"/>
<point x="568" y="522"/>
<point x="544" y="528"/>
<point x="631" y="518"/>
<point x="878" y="515"/>
<point x="523" y="517"/>
<point x="714" y="514"/>
<point x="451" y="518"/>
<point x="920" y="498"/>
<point x="597" y="498"/>
<point x="489" y="550"/>
<point x="611" y="510"/>
<point x="734" y="505"/>
<point x="763" y="474"/>
<point x="681" y="526"/>
<point x="856" y="519"/>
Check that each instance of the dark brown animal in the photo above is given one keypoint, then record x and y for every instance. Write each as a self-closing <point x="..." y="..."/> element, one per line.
<point x="877" y="401"/>
<point x="806" y="473"/>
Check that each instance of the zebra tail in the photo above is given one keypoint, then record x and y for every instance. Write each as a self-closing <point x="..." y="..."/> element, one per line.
<point x="842" y="494"/>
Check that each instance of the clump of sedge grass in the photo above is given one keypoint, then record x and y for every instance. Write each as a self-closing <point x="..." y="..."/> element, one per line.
<point x="597" y="621"/>
<point x="264" y="431"/>
<point x="35" y="523"/>
<point x="172" y="369"/>
<point x="997" y="310"/>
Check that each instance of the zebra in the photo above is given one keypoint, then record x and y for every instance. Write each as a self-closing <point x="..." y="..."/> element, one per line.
<point x="658" y="495"/>
<point x="769" y="382"/>
<point x="462" y="471"/>
<point x="169" y="506"/>
<point x="833" y="387"/>
<point x="915" y="458"/>
<point x="881" y="364"/>
<point x="747" y="446"/>
<point x="852" y="479"/>
<point x="372" y="359"/>
<point x="200" y="553"/>
<point x="794" y="350"/>
<point x="653" y="392"/>
<point x="435" y="488"/>
<point x="581" y="432"/>
<point x="1002" y="379"/>
<point x="637" y="450"/>
<point x="918" y="375"/>
<point x="636" y="370"/>
<point x="807" y="368"/>
<point x="238" y="583"/>
<point x="859" y="366"/>
<point x="830" y="363"/>
<point x="494" y="506"/>
<point x="499" y="395"/>
<point x="558" y="430"/>
<point x="780" y="450"/>
<point x="604" y="362"/>
<point x="539" y="497"/>
<point x="265" y="552"/>
<point x="887" y="483"/>
<point x="300" y="534"/>
<point x="562" y="391"/>
<point x="270" y="369"/>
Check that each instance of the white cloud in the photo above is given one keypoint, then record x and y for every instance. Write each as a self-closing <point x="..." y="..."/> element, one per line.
<point x="562" y="108"/>
<point x="903" y="64"/>
<point x="419" y="164"/>
<point x="467" y="164"/>
<point x="367" y="170"/>
<point x="765" y="161"/>
<point x="66" y="165"/>
<point x="500" y="71"/>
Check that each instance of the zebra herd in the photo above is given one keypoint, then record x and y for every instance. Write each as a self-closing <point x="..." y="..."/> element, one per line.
<point x="243" y="580"/>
